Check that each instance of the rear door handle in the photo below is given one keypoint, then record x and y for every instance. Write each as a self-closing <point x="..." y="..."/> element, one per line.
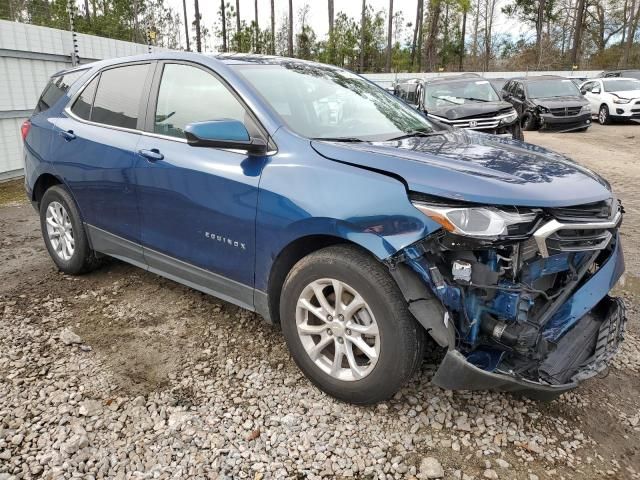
<point x="152" y="155"/>
<point x="68" y="135"/>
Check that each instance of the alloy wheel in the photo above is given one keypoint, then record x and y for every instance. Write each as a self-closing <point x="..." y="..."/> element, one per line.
<point x="602" y="115"/>
<point x="338" y="329"/>
<point x="60" y="231"/>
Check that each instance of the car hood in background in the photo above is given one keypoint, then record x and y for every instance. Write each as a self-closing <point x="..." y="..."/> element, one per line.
<point x="467" y="110"/>
<point x="474" y="167"/>
<point x="630" y="94"/>
<point x="560" y="102"/>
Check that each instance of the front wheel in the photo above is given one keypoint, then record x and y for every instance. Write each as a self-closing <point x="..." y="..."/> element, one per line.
<point x="64" y="234"/>
<point x="529" y="122"/>
<point x="603" y="115"/>
<point x="348" y="326"/>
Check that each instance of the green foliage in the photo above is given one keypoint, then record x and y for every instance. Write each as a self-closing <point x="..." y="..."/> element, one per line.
<point x="441" y="40"/>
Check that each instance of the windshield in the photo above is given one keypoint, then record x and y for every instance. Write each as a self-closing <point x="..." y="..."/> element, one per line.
<point x="552" y="88"/>
<point x="458" y="92"/>
<point x="622" y="85"/>
<point x="324" y="102"/>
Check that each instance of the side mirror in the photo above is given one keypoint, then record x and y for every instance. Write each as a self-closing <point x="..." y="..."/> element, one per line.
<point x="224" y="133"/>
<point x="583" y="91"/>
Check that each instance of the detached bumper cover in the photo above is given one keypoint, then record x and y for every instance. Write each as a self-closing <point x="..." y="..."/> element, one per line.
<point x="456" y="373"/>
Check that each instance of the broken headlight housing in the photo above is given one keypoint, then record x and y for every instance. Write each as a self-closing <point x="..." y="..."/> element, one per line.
<point x="478" y="222"/>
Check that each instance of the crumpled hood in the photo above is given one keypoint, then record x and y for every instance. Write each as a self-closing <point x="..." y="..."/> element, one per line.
<point x="631" y="94"/>
<point x="475" y="167"/>
<point x="457" y="112"/>
<point x="561" y="102"/>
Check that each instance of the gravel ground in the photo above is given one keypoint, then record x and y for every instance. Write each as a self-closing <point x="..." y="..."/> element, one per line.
<point x="123" y="374"/>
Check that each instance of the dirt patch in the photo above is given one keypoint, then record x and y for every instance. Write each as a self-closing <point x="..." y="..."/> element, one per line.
<point x="11" y="191"/>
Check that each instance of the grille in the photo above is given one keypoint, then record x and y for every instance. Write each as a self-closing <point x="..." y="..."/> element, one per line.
<point x="565" y="111"/>
<point x="586" y="212"/>
<point x="578" y="240"/>
<point x="502" y="111"/>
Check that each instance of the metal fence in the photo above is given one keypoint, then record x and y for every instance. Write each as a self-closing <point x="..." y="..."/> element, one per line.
<point x="29" y="55"/>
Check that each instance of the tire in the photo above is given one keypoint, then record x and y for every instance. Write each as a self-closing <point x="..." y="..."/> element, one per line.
<point x="75" y="256"/>
<point x="603" y="115"/>
<point x="529" y="123"/>
<point x="399" y="343"/>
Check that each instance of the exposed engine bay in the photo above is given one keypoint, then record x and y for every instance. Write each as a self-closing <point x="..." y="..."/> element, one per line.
<point x="531" y="305"/>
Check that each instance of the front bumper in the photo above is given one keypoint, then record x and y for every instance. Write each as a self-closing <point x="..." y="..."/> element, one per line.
<point x="563" y="124"/>
<point x="456" y="373"/>
<point x="597" y="330"/>
<point x="625" y="110"/>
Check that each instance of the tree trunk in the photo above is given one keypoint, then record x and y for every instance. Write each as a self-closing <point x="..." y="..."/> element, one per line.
<point x="462" y="35"/>
<point x="257" y="39"/>
<point x="389" y="38"/>
<point x="414" y="44"/>
<point x="420" y="36"/>
<point x="577" y="39"/>
<point x="539" y="22"/>
<point x="197" y="21"/>
<point x="238" y="24"/>
<point x="273" y="28"/>
<point x="186" y="24"/>
<point x="290" y="30"/>
<point x="362" y="36"/>
<point x="430" y="54"/>
<point x="224" y="26"/>
<point x="633" y="25"/>
<point x="331" y="16"/>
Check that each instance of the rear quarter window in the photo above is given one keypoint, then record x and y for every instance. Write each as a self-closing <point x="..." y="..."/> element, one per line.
<point x="57" y="88"/>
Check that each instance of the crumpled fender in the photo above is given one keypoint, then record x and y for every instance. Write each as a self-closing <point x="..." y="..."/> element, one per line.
<point x="427" y="309"/>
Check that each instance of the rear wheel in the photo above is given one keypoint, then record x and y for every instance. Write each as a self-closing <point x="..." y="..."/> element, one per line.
<point x="348" y="326"/>
<point x="64" y="234"/>
<point x="604" y="118"/>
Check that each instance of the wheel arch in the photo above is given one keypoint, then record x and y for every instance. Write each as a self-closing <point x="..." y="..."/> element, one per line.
<point x="291" y="254"/>
<point x="44" y="182"/>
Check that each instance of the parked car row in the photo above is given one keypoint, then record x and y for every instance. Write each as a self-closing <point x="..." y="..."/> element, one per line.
<point x="466" y="101"/>
<point x="505" y="107"/>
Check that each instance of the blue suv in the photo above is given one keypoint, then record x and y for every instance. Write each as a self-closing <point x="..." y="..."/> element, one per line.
<point x="307" y="194"/>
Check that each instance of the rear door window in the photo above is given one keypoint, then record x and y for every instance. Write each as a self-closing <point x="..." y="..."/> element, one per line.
<point x="57" y="88"/>
<point x="120" y="91"/>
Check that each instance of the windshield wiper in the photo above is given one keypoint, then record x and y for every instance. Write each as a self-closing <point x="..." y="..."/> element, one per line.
<point x="445" y="99"/>
<point x="473" y="99"/>
<point x="415" y="133"/>
<point x="339" y="139"/>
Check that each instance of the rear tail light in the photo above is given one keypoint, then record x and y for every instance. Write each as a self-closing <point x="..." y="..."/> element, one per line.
<point x="24" y="129"/>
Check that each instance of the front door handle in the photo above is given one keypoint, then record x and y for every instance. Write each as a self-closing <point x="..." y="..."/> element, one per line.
<point x="152" y="155"/>
<point x="68" y="135"/>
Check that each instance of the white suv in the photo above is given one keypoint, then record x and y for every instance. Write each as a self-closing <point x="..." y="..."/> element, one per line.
<point x="613" y="98"/>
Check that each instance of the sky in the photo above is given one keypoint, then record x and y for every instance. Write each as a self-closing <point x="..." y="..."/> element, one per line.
<point x="318" y="17"/>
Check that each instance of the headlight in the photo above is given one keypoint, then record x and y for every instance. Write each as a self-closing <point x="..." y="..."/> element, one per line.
<point x="510" y="118"/>
<point x="620" y="100"/>
<point x="586" y="109"/>
<point x="483" y="222"/>
<point x="543" y="109"/>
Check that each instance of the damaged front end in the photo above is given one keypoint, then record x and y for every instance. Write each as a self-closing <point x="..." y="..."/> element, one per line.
<point x="518" y="296"/>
